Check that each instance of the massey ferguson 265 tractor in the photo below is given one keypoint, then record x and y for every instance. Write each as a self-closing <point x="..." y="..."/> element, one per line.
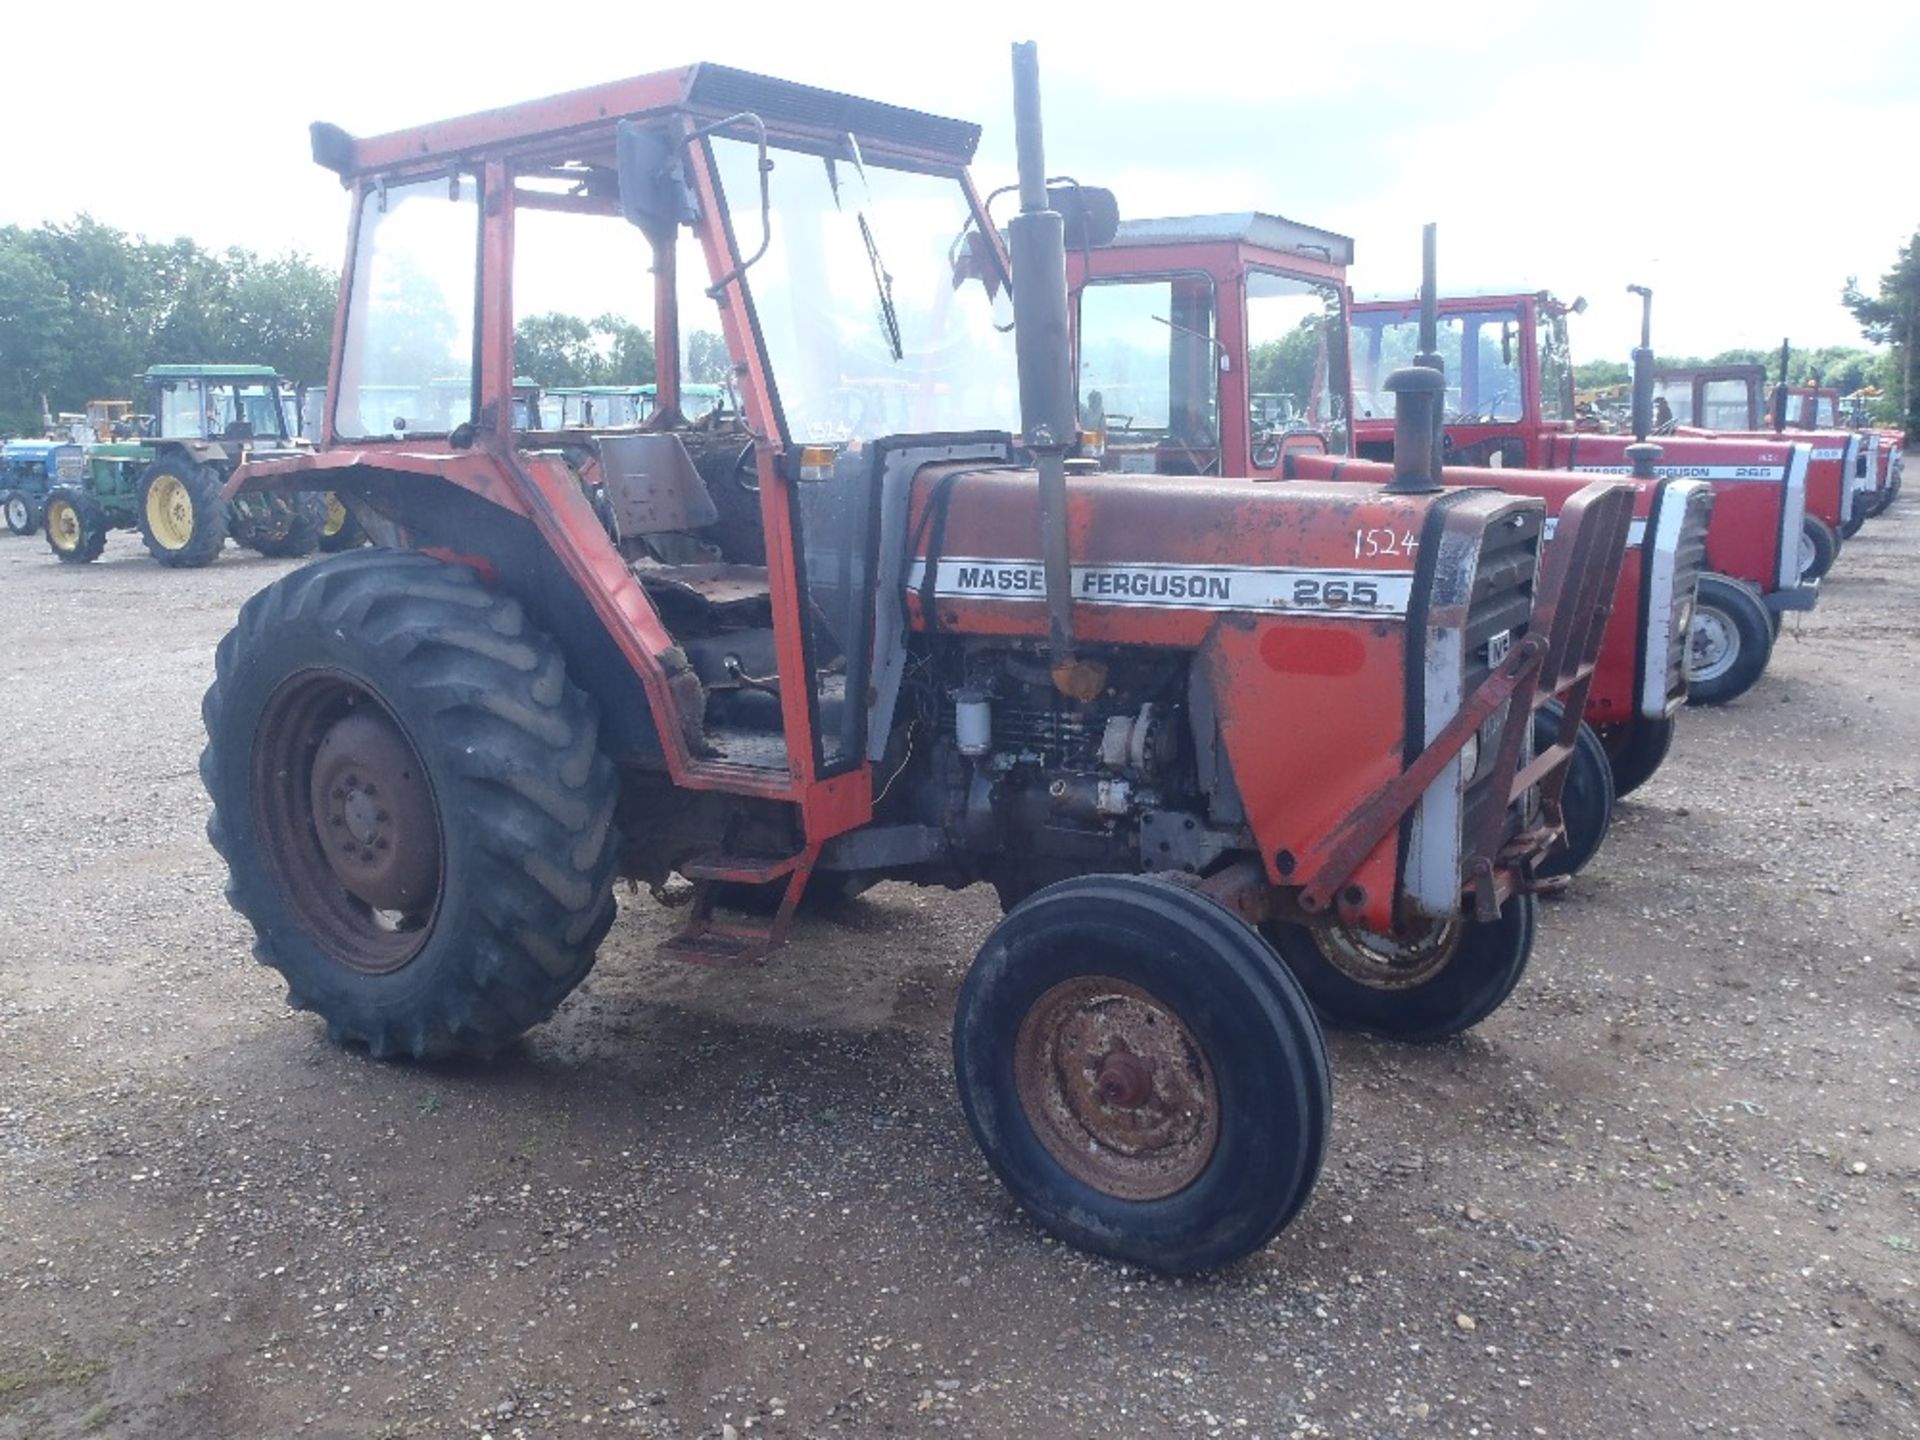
<point x="1217" y="345"/>
<point x="167" y="485"/>
<point x="1166" y="719"/>
<point x="1510" y="403"/>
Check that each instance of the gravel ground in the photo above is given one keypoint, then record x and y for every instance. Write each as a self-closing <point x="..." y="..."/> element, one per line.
<point x="1672" y="1188"/>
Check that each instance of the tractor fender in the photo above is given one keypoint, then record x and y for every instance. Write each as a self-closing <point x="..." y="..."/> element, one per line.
<point x="470" y="509"/>
<point x="203" y="452"/>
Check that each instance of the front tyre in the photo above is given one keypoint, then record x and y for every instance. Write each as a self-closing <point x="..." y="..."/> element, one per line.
<point x="1446" y="979"/>
<point x="76" y="525"/>
<point x="1141" y="1074"/>
<point x="1637" y="751"/>
<point x="281" y="527"/>
<point x="1729" y="643"/>
<point x="1586" y="799"/>
<point x="183" y="515"/>
<point x="340" y="529"/>
<point x="412" y="805"/>
<point x="23" y="517"/>
<point x="1819" y="547"/>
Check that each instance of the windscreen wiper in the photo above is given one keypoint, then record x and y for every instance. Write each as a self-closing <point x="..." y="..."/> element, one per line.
<point x="882" y="278"/>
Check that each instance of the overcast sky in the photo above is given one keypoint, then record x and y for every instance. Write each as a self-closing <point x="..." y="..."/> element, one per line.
<point x="1743" y="159"/>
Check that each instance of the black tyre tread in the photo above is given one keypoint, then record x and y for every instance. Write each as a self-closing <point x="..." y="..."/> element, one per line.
<point x="1586" y="798"/>
<point x="302" y="536"/>
<point x="1826" y="546"/>
<point x="1642" y="753"/>
<point x="93" y="525"/>
<point x="7" y="499"/>
<point x="1268" y="988"/>
<point x="209" y="512"/>
<point x="511" y="739"/>
<point x="1749" y="612"/>
<point x="1423" y="1013"/>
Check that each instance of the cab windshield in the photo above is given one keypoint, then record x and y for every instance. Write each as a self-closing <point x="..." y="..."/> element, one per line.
<point x="1481" y="350"/>
<point x="867" y="330"/>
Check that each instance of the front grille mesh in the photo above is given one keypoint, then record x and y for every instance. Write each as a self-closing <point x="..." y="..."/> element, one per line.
<point x="1498" y="617"/>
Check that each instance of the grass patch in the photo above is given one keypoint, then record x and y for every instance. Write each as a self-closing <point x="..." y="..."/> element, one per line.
<point x="54" y="1371"/>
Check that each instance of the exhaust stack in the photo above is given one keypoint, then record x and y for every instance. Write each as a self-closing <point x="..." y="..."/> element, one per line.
<point x="1643" y="365"/>
<point x="1036" y="244"/>
<point x="1780" y="390"/>
<point x="1419" y="391"/>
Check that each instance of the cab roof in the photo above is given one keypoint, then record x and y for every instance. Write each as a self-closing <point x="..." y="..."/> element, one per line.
<point x="1246" y="227"/>
<point x="706" y="91"/>
<point x="210" y="372"/>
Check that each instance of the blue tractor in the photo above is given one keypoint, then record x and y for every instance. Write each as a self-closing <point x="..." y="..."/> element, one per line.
<point x="28" y="469"/>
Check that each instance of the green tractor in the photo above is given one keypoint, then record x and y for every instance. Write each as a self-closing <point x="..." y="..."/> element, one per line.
<point x="167" y="483"/>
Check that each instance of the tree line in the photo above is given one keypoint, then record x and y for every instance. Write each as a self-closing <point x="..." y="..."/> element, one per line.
<point x="85" y="307"/>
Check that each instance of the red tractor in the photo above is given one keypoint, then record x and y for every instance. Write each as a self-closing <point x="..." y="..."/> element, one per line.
<point x="1217" y="344"/>
<point x="1510" y="403"/>
<point x="1224" y="767"/>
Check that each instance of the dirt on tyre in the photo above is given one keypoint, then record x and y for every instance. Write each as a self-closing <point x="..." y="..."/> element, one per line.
<point x="411" y="800"/>
<point x="1729" y="642"/>
<point x="1428" y="986"/>
<point x="76" y="526"/>
<point x="1586" y="799"/>
<point x="340" y="528"/>
<point x="22" y="515"/>
<point x="1141" y="1073"/>
<point x="1636" y="750"/>
<point x="183" y="515"/>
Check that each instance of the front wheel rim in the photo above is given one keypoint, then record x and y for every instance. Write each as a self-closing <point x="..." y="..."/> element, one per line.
<point x="17" y="513"/>
<point x="1808" y="555"/>
<point x="63" y="526"/>
<point x="1713" y="644"/>
<point x="170" y="512"/>
<point x="347" y="821"/>
<point x="336" y="520"/>
<point x="1116" y="1088"/>
<point x="1382" y="962"/>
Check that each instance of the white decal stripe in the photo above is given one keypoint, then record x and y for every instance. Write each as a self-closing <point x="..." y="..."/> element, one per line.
<point x="1295" y="589"/>
<point x="1695" y="472"/>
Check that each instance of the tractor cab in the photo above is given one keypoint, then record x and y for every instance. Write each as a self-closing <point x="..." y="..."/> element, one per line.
<point x="1509" y="374"/>
<point x="1164" y="308"/>
<point x="238" y="406"/>
<point x="1713" y="397"/>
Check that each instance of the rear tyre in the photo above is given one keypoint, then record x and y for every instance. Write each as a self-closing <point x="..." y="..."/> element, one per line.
<point x="1428" y="987"/>
<point x="1141" y="1073"/>
<point x="1639" y="752"/>
<point x="1819" y="548"/>
<point x="183" y="515"/>
<point x="76" y="525"/>
<point x="412" y="805"/>
<point x="23" y="517"/>
<point x="1586" y="799"/>
<point x="340" y="528"/>
<point x="1730" y="642"/>
<point x="282" y="527"/>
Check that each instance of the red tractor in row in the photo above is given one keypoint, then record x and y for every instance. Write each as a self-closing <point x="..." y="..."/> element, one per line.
<point x="1511" y="403"/>
<point x="1217" y="345"/>
<point x="1231" y="770"/>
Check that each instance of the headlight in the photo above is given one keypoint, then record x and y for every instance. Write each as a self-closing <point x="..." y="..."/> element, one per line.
<point x="1470" y="759"/>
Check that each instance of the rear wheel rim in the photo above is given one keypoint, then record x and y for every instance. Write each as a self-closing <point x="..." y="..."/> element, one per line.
<point x="1116" y="1088"/>
<point x="169" y="512"/>
<point x="1713" y="644"/>
<point x="63" y="526"/>
<point x="347" y="821"/>
<point x="1381" y="962"/>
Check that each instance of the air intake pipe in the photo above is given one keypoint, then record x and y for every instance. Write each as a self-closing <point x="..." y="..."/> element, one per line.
<point x="1419" y="391"/>
<point x="1780" y="390"/>
<point x="1643" y="366"/>
<point x="1036" y="244"/>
